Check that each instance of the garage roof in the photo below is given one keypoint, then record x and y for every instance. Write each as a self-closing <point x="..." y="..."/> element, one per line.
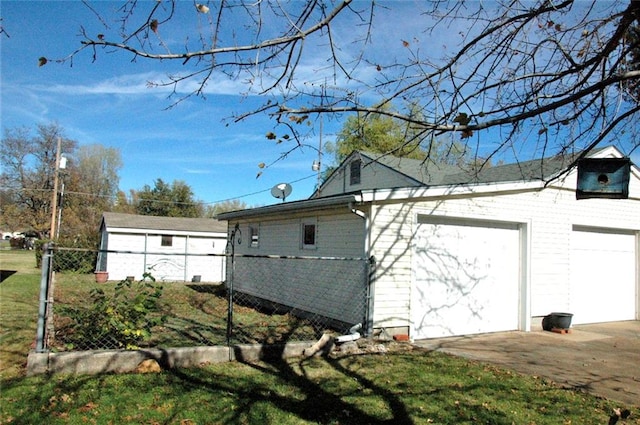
<point x="434" y="180"/>
<point x="132" y="221"/>
<point x="433" y="174"/>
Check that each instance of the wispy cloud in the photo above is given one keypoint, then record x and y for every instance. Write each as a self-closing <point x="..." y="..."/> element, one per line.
<point x="197" y="171"/>
<point x="150" y="83"/>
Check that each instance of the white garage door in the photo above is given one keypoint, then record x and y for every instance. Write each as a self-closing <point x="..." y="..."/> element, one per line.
<point x="603" y="284"/>
<point x="466" y="278"/>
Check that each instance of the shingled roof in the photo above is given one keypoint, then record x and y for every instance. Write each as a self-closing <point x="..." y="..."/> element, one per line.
<point x="150" y="222"/>
<point x="434" y="174"/>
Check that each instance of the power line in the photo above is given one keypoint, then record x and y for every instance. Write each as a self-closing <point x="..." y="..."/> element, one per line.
<point x="258" y="192"/>
<point x="152" y="200"/>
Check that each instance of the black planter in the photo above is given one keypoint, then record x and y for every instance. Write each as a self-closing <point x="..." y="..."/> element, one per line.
<point x="557" y="321"/>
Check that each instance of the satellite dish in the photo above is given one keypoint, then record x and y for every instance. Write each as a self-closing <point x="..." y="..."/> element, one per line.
<point x="281" y="191"/>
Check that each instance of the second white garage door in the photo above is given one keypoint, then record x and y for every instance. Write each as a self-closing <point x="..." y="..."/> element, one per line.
<point x="466" y="277"/>
<point x="603" y="268"/>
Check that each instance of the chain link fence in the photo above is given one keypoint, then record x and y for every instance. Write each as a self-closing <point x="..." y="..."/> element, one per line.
<point x="264" y="299"/>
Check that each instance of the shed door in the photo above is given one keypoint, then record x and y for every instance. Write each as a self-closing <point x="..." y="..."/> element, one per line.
<point x="603" y="282"/>
<point x="466" y="278"/>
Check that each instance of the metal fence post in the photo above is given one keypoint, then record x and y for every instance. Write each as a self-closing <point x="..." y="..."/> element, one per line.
<point x="230" y="300"/>
<point x="45" y="280"/>
<point x="236" y="236"/>
<point x="369" y="282"/>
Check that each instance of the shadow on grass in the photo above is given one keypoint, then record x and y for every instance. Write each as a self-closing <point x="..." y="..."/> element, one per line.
<point x="218" y="289"/>
<point x="394" y="388"/>
<point x="316" y="404"/>
<point x="306" y="399"/>
<point x="190" y="333"/>
<point x="5" y="274"/>
<point x="283" y="388"/>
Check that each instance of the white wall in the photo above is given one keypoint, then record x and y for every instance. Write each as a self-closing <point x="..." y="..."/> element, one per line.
<point x="549" y="214"/>
<point x="330" y="287"/>
<point x="339" y="235"/>
<point x="148" y="255"/>
<point x="372" y="175"/>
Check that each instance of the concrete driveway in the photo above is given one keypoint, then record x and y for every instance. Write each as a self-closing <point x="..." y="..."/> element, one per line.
<point x="602" y="359"/>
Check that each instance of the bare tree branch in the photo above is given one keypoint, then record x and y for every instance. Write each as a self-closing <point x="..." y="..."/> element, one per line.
<point x="515" y="76"/>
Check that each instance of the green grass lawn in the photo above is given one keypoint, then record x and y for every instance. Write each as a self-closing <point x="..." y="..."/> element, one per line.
<point x="406" y="386"/>
<point x="19" y="294"/>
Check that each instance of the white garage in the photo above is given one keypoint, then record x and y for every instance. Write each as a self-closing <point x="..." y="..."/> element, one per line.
<point x="466" y="277"/>
<point x="603" y="275"/>
<point x="170" y="248"/>
<point x="459" y="252"/>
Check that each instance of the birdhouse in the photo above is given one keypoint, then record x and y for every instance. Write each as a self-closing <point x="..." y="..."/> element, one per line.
<point x="603" y="178"/>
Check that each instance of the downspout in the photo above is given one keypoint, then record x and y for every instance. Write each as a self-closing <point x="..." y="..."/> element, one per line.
<point x="368" y="326"/>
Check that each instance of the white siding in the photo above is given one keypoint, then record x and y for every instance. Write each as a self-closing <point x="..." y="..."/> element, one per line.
<point x="546" y="218"/>
<point x="210" y="267"/>
<point x="391" y="236"/>
<point x="340" y="235"/>
<point x="121" y="265"/>
<point x="180" y="262"/>
<point x="334" y="288"/>
<point x="164" y="266"/>
<point x="372" y="175"/>
<point x="549" y="213"/>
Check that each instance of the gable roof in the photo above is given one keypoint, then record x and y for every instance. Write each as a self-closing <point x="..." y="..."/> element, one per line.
<point x="434" y="174"/>
<point x="132" y="221"/>
<point x="435" y="180"/>
<point x="418" y="170"/>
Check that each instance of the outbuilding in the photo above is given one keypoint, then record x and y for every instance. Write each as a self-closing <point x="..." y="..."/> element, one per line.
<point x="463" y="252"/>
<point x="169" y="248"/>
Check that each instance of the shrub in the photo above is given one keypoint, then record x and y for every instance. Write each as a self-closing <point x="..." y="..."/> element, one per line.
<point x="18" y="243"/>
<point x="38" y="251"/>
<point x="122" y="319"/>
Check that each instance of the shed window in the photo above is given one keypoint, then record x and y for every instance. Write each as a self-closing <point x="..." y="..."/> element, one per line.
<point x="355" y="171"/>
<point x="167" y="240"/>
<point x="309" y="235"/>
<point x="254" y="232"/>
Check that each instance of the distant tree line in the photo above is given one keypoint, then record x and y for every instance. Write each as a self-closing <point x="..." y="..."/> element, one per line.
<point x="174" y="199"/>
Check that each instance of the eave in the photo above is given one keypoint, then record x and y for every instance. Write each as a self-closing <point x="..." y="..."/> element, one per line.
<point x="306" y="205"/>
<point x="480" y="189"/>
<point x="384" y="195"/>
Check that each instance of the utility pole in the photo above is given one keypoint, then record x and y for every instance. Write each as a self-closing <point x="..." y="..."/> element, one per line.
<point x="54" y="199"/>
<point x="320" y="156"/>
<point x="317" y="165"/>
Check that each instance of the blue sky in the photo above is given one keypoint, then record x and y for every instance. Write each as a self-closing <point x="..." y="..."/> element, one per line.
<point x="108" y="102"/>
